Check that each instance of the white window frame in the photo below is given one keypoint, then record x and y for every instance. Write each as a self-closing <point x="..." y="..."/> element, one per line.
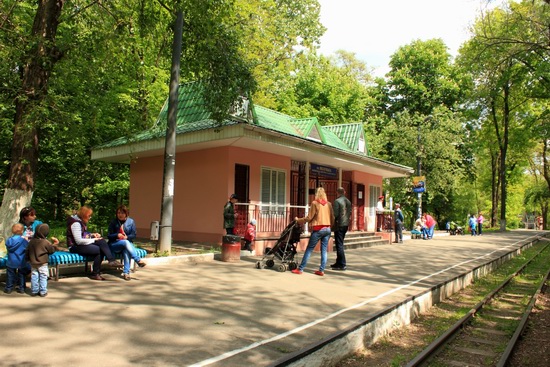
<point x="374" y="194"/>
<point x="278" y="178"/>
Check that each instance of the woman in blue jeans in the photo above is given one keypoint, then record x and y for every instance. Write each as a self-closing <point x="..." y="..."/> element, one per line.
<point x="321" y="219"/>
<point x="122" y="231"/>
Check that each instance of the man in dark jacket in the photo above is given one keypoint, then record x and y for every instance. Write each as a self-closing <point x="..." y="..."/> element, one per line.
<point x="229" y="214"/>
<point x="342" y="215"/>
<point x="399" y="219"/>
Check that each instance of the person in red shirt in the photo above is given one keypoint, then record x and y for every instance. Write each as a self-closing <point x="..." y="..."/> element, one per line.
<point x="430" y="225"/>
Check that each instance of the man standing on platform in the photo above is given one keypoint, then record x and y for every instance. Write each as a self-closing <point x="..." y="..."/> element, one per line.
<point x="342" y="214"/>
<point x="380" y="213"/>
<point x="480" y="220"/>
<point x="229" y="214"/>
<point x="399" y="219"/>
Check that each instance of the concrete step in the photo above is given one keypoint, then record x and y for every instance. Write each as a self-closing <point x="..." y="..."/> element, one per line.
<point x="364" y="244"/>
<point x="363" y="239"/>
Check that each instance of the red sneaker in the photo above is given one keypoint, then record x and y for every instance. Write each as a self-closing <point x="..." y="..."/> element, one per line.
<point x="320" y="273"/>
<point x="296" y="271"/>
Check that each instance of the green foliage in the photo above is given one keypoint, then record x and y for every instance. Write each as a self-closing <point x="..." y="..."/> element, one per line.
<point x="114" y="68"/>
<point x="112" y="78"/>
<point x="414" y="115"/>
<point x="422" y="78"/>
<point x="331" y="89"/>
<point x="506" y="58"/>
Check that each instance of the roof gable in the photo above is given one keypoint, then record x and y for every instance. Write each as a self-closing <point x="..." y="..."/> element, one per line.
<point x="352" y="135"/>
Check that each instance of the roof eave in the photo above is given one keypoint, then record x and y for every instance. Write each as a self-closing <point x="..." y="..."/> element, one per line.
<point x="152" y="147"/>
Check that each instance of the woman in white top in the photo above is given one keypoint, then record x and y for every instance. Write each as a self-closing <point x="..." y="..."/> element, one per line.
<point x="84" y="243"/>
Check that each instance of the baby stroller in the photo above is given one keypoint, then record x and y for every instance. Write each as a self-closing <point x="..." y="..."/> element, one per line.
<point x="455" y="229"/>
<point x="284" y="249"/>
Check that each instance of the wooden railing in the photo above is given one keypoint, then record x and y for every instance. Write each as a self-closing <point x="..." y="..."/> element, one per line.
<point x="271" y="220"/>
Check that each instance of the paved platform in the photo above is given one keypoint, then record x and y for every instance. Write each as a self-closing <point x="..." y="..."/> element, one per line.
<point x="216" y="313"/>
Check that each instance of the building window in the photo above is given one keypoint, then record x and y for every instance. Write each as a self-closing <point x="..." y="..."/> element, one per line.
<point x="374" y="194"/>
<point x="273" y="191"/>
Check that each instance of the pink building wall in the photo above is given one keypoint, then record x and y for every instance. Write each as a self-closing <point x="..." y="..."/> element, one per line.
<point x="203" y="182"/>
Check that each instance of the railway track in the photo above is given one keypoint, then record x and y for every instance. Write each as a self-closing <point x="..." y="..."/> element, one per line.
<point x="487" y="334"/>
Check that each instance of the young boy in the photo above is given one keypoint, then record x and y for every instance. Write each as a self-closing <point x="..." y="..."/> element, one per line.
<point x="250" y="235"/>
<point x="473" y="224"/>
<point x="17" y="267"/>
<point x="38" y="254"/>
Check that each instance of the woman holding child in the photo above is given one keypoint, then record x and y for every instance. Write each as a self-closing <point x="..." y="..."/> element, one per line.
<point x="82" y="242"/>
<point x="122" y="231"/>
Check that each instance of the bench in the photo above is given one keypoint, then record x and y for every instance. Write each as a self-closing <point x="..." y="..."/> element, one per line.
<point x="59" y="258"/>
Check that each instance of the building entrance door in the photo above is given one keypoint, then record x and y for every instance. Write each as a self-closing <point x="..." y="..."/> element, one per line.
<point x="360" y="197"/>
<point x="242" y="182"/>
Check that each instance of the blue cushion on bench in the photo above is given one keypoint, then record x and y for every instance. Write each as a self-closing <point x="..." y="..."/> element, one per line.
<point x="65" y="257"/>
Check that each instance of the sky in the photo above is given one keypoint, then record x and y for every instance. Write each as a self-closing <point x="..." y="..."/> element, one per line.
<point x="375" y="29"/>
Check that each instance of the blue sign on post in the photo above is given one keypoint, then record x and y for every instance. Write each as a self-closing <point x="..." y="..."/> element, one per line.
<point x="323" y="170"/>
<point x="419" y="184"/>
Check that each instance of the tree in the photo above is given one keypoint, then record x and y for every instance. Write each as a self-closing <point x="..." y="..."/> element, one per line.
<point x="35" y="66"/>
<point x="415" y="114"/>
<point x="333" y="89"/>
<point x="508" y="63"/>
<point x="105" y="75"/>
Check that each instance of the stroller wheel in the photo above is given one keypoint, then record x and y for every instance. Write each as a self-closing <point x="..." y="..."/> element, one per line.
<point x="281" y="268"/>
<point x="270" y="263"/>
<point x="258" y="265"/>
<point x="292" y="266"/>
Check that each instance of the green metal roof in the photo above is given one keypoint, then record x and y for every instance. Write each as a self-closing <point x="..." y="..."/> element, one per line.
<point x="305" y="125"/>
<point x="274" y="120"/>
<point x="193" y="116"/>
<point x="350" y="134"/>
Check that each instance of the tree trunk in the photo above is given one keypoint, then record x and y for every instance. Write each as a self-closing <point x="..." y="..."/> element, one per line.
<point x="494" y="188"/>
<point x="503" y="151"/>
<point x="36" y="69"/>
<point x="545" y="163"/>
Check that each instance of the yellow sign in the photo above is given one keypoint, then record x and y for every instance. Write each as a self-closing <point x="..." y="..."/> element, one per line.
<point x="419" y="184"/>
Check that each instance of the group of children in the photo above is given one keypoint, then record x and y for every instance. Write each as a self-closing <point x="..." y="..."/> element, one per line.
<point x="29" y="255"/>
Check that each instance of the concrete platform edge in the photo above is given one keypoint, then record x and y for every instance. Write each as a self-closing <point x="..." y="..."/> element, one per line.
<point x="338" y="346"/>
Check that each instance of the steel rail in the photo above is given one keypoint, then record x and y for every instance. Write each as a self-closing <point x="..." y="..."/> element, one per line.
<point x="521" y="327"/>
<point x="446" y="337"/>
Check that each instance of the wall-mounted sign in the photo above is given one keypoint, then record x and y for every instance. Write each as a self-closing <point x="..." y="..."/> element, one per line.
<point x="324" y="171"/>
